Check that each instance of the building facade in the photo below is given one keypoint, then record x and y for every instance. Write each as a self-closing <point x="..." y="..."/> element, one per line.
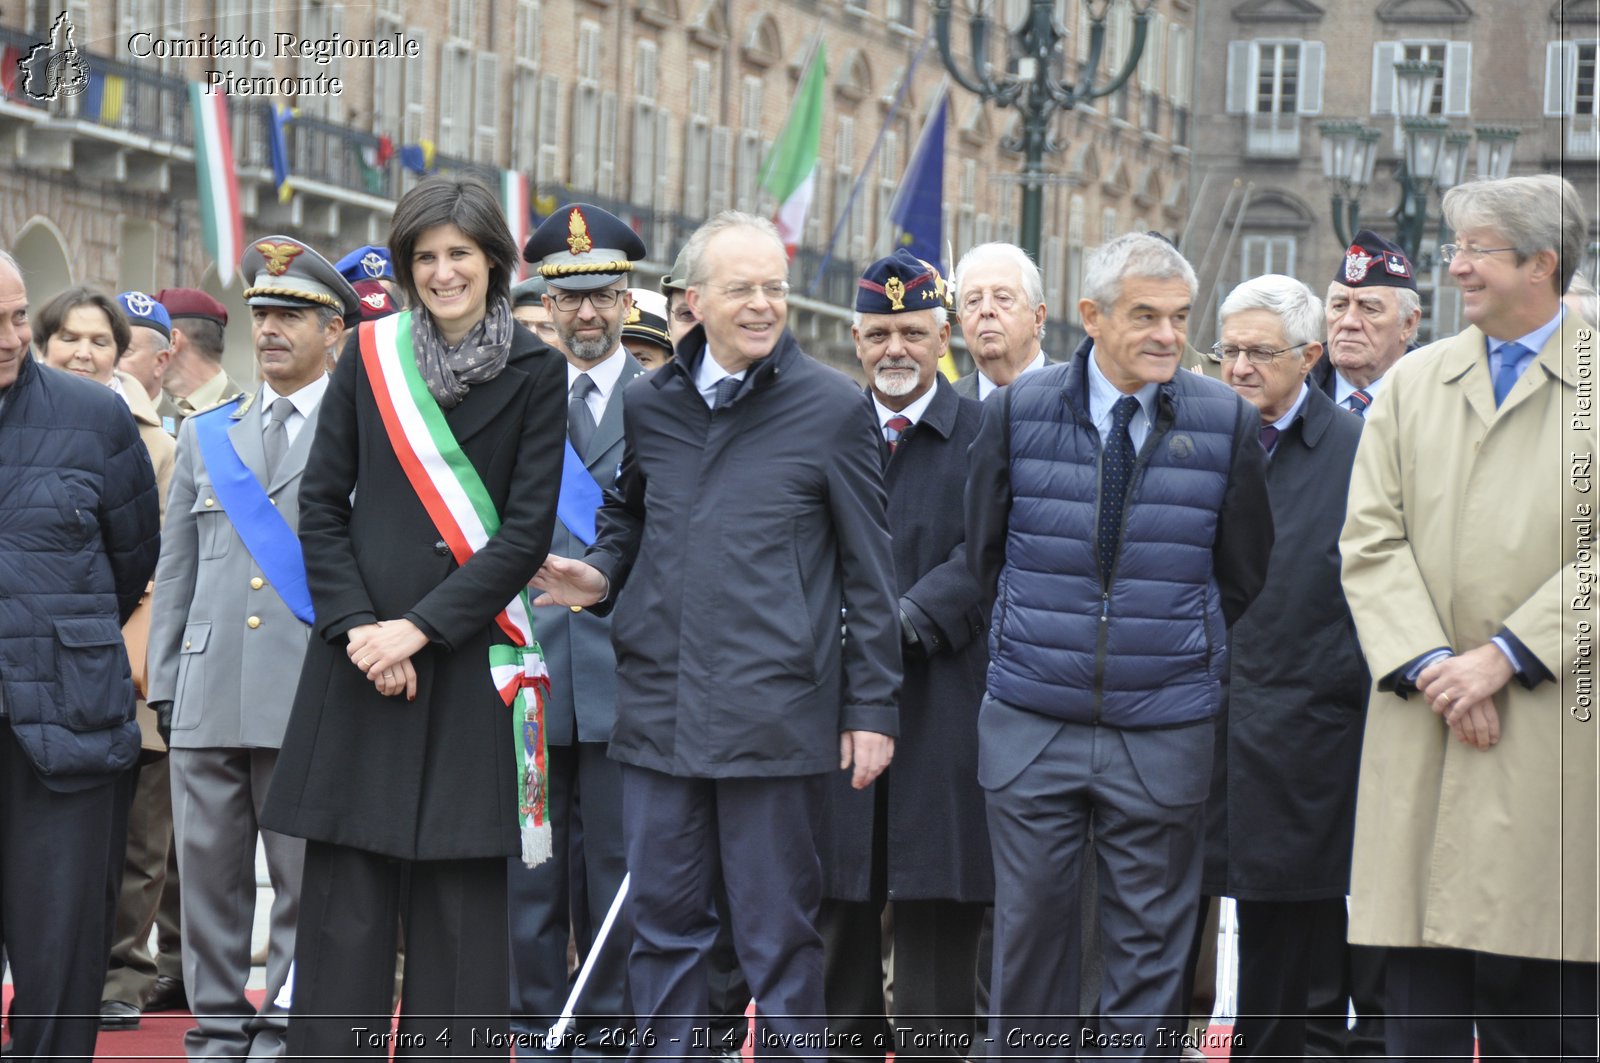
<point x="1278" y="69"/>
<point x="662" y="111"/>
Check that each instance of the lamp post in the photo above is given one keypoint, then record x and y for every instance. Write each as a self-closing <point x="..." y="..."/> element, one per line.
<point x="1033" y="90"/>
<point x="1434" y="159"/>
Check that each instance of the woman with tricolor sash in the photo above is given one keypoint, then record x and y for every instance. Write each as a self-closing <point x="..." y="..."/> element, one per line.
<point x="413" y="763"/>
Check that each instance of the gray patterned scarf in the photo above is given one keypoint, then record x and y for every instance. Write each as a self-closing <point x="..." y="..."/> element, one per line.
<point x="450" y="372"/>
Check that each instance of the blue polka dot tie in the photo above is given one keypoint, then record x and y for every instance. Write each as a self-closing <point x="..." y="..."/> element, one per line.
<point x="727" y="388"/>
<point x="1116" y="467"/>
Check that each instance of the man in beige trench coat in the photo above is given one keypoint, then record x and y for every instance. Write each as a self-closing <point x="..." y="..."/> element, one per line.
<point x="1469" y="567"/>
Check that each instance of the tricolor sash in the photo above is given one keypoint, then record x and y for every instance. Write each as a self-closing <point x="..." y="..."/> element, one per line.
<point x="580" y="497"/>
<point x="454" y="495"/>
<point x="271" y="542"/>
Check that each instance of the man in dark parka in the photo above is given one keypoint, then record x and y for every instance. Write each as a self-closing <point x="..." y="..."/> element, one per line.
<point x="916" y="837"/>
<point x="749" y="506"/>
<point x="1282" y="806"/>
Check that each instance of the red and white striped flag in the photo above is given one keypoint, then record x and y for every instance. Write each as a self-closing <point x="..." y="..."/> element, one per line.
<point x="220" y="219"/>
<point x="514" y="200"/>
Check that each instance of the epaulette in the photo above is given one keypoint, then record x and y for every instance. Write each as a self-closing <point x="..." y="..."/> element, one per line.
<point x="220" y="403"/>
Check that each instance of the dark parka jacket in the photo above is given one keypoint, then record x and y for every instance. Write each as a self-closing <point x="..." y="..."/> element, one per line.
<point x="938" y="846"/>
<point x="730" y="540"/>
<point x="80" y="530"/>
<point x="1281" y="815"/>
<point x="435" y="778"/>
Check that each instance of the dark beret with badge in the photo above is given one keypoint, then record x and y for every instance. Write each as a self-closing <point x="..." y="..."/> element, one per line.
<point x="369" y="263"/>
<point x="1372" y="261"/>
<point x="582" y="248"/>
<point x="282" y="271"/>
<point x="146" y="311"/>
<point x="529" y="292"/>
<point x="192" y="302"/>
<point x="900" y="284"/>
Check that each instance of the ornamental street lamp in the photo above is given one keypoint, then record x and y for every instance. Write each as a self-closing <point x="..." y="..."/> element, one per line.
<point x="1434" y="159"/>
<point x="1033" y="90"/>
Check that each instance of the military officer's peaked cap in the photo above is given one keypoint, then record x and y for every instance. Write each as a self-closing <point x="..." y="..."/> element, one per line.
<point x="283" y="271"/>
<point x="899" y="284"/>
<point x="1372" y="261"/>
<point x="368" y="263"/>
<point x="648" y="318"/>
<point x="529" y="292"/>
<point x="144" y="310"/>
<point x="582" y="247"/>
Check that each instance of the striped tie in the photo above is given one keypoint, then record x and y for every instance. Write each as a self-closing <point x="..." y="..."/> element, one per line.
<point x="893" y="429"/>
<point x="1358" y="402"/>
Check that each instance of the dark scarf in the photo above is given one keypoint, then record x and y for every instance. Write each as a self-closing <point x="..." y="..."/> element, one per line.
<point x="450" y="372"/>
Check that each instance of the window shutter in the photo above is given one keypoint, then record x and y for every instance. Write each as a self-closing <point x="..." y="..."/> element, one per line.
<point x="1240" y="84"/>
<point x="1385" y="54"/>
<point x="1560" y="78"/>
<point x="487" y="118"/>
<point x="644" y="152"/>
<point x="416" y="75"/>
<point x="549" y="127"/>
<point x="663" y="160"/>
<point x="1458" y="78"/>
<point x="1310" y="87"/>
<point x="607" y="182"/>
<point x="721" y="164"/>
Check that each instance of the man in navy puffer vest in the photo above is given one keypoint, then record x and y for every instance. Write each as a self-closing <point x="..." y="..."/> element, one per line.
<point x="79" y="534"/>
<point x="1117" y="519"/>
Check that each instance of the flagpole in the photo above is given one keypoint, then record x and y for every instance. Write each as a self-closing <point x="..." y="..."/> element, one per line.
<point x="866" y="167"/>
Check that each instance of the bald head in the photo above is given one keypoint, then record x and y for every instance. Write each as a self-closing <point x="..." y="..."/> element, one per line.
<point x="16" y="336"/>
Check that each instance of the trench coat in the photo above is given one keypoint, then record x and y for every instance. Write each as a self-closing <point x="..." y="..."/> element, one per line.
<point x="435" y="778"/>
<point x="938" y="836"/>
<point x="1283" y="792"/>
<point x="1465" y="519"/>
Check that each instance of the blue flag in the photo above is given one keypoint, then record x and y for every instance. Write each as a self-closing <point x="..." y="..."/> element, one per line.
<point x="917" y="211"/>
<point x="278" y="116"/>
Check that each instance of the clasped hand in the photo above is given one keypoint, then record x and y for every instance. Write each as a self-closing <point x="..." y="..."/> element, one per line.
<point x="383" y="651"/>
<point x="1461" y="690"/>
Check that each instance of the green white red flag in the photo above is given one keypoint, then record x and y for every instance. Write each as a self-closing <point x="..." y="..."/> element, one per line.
<point x="790" y="174"/>
<point x="221" y="222"/>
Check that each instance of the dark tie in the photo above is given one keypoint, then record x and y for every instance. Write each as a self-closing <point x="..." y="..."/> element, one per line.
<point x="1358" y="401"/>
<point x="275" y="437"/>
<point x="727" y="388"/>
<point x="1269" y="437"/>
<point x="893" y="429"/>
<point x="1506" y="378"/>
<point x="1116" y="466"/>
<point x="580" y="421"/>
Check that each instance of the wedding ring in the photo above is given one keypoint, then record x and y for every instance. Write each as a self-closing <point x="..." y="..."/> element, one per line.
<point x="1445" y="699"/>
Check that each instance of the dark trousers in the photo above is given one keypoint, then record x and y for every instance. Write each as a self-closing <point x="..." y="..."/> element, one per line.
<point x="60" y="861"/>
<point x="570" y="894"/>
<point x="1281" y="947"/>
<point x="759" y="835"/>
<point x="352" y="906"/>
<point x="1522" y="1009"/>
<point x="935" y="949"/>
<point x="149" y="893"/>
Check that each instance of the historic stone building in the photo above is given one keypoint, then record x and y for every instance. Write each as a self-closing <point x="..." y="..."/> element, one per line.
<point x="660" y="110"/>
<point x="1277" y="69"/>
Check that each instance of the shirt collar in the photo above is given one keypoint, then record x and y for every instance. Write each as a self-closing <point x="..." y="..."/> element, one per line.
<point x="1343" y="389"/>
<point x="710" y="371"/>
<point x="604" y="373"/>
<point x="912" y="413"/>
<point x="305" y="400"/>
<point x="1282" y="424"/>
<point x="1103" y="394"/>
<point x="1535" y="340"/>
<point x="985" y="385"/>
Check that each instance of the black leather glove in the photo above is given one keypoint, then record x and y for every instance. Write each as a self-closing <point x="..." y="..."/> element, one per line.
<point x="908" y="633"/>
<point x="163" y="711"/>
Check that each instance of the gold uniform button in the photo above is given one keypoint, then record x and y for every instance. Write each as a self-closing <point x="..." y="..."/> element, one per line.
<point x="210" y="502"/>
<point x="274" y="501"/>
<point x="253" y="623"/>
<point x="256" y="583"/>
<point x="577" y="608"/>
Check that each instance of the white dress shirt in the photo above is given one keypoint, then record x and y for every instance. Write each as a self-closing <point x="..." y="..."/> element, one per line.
<point x="1103" y="395"/>
<point x="605" y="374"/>
<point x="305" y="404"/>
<point x="710" y="374"/>
<point x="985" y="385"/>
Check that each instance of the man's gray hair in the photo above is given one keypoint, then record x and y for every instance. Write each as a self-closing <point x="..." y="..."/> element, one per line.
<point x="1541" y="212"/>
<point x="326" y="314"/>
<point x="941" y="317"/>
<point x="1008" y="254"/>
<point x="5" y="257"/>
<point x="1410" y="302"/>
<point x="1295" y="305"/>
<point x="1133" y="255"/>
<point x="695" y="249"/>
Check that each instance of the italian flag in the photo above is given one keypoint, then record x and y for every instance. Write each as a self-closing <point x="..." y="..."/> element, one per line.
<point x="790" y="175"/>
<point x="220" y="219"/>
<point x="514" y="200"/>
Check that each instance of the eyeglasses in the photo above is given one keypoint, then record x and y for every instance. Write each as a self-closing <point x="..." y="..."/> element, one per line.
<point x="1448" y="252"/>
<point x="684" y="316"/>
<point x="602" y="299"/>
<point x="775" y="291"/>
<point x="1227" y="352"/>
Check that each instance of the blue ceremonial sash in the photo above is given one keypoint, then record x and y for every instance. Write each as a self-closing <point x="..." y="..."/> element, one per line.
<point x="580" y="497"/>
<point x="266" y="534"/>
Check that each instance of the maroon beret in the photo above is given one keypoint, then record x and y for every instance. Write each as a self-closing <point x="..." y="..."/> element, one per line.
<point x="192" y="302"/>
<point x="374" y="299"/>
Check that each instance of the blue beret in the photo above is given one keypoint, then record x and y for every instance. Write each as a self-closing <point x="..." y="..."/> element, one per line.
<point x="900" y="284"/>
<point x="144" y="310"/>
<point x="1373" y="261"/>
<point x="368" y="263"/>
<point x="582" y="247"/>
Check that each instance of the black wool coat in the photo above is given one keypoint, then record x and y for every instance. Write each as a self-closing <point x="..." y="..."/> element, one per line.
<point x="1281" y="815"/>
<point x="730" y="539"/>
<point x="938" y="838"/>
<point x="434" y="778"/>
